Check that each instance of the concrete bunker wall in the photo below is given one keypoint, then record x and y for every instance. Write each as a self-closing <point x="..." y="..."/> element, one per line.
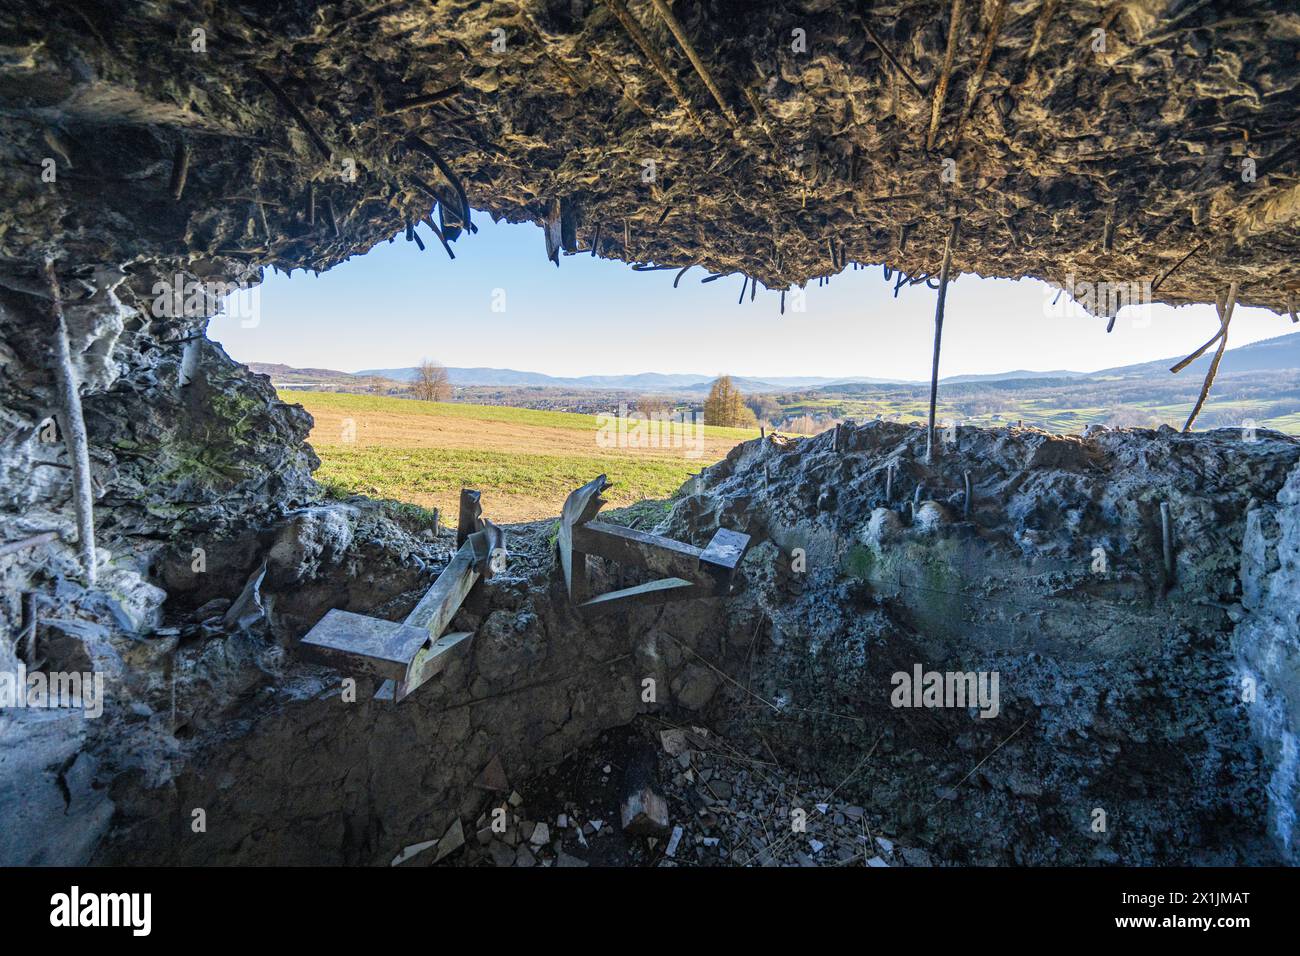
<point x="1267" y="645"/>
<point x="1113" y="672"/>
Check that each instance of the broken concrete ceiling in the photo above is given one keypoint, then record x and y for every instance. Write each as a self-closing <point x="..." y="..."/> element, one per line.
<point x="1108" y="141"/>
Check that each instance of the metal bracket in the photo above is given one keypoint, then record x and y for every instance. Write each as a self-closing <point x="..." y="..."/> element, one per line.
<point x="405" y="655"/>
<point x="690" y="572"/>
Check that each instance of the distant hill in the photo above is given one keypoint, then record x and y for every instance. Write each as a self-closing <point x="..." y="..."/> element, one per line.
<point x="1273" y="354"/>
<point x="1270" y="355"/>
<point x="1003" y="376"/>
<point x="288" y="375"/>
<point x="1278" y="353"/>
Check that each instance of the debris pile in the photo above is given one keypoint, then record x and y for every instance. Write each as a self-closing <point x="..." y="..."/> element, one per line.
<point x="720" y="808"/>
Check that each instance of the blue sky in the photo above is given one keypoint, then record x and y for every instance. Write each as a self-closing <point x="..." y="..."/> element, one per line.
<point x="396" y="305"/>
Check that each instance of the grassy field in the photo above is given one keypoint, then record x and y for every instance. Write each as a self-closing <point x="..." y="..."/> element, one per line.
<point x="525" y="462"/>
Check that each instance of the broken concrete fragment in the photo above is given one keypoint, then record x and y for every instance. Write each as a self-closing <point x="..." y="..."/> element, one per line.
<point x="493" y="777"/>
<point x="931" y="515"/>
<point x="541" y="835"/>
<point x="671" y="849"/>
<point x="694" y="686"/>
<point x="645" y="812"/>
<point x="644" y="809"/>
<point x="915" y="857"/>
<point x="674" y="741"/>
<point x="247" y="609"/>
<point x="885" y="525"/>
<point x="412" y="851"/>
<point x="217" y="606"/>
<point x="451" y="841"/>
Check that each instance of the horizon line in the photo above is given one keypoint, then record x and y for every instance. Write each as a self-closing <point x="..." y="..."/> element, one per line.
<point x="827" y="378"/>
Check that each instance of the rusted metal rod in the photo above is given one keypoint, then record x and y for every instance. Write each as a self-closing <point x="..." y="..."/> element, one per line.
<point x="1225" y="316"/>
<point x="976" y="81"/>
<point x="941" y="84"/>
<point x="1167" y="541"/>
<point x="657" y="62"/>
<point x="330" y="217"/>
<point x="675" y="26"/>
<point x="441" y="236"/>
<point x="416" y="102"/>
<point x="1170" y="271"/>
<point x="298" y="115"/>
<point x="938" y="332"/>
<point x="420" y="146"/>
<point x="180" y="169"/>
<point x="1045" y="15"/>
<point x="885" y="52"/>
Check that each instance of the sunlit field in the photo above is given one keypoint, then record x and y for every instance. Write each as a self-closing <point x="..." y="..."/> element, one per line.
<point x="525" y="462"/>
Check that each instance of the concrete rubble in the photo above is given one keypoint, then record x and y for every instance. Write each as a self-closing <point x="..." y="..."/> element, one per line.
<point x="725" y="810"/>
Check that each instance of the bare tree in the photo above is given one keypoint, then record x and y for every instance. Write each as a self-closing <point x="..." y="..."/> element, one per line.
<point x="431" y="382"/>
